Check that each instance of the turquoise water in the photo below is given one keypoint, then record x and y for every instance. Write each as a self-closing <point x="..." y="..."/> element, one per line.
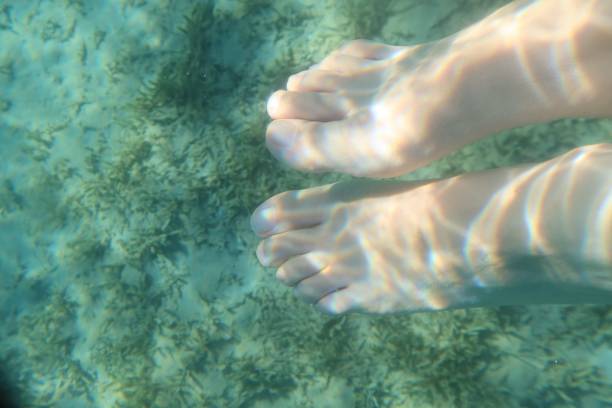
<point x="131" y="137"/>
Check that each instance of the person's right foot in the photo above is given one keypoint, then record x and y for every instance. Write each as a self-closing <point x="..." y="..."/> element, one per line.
<point x="506" y="236"/>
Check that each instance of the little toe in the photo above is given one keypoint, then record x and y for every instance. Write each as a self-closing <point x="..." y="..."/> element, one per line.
<point x="364" y="297"/>
<point x="340" y="301"/>
<point x="307" y="106"/>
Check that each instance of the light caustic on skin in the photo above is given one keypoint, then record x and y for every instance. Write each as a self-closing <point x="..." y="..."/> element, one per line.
<point x="376" y="110"/>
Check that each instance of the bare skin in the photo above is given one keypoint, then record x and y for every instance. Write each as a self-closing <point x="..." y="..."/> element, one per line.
<point x="466" y="241"/>
<point x="379" y="111"/>
<point x="531" y="234"/>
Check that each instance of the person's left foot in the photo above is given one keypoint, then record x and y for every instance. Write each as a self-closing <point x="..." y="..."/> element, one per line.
<point x="371" y="110"/>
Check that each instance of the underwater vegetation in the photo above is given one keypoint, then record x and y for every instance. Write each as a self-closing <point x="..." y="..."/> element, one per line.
<point x="188" y="82"/>
<point x="185" y="171"/>
<point x="224" y="150"/>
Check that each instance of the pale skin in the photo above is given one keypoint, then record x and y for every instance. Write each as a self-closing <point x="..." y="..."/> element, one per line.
<point x="539" y="233"/>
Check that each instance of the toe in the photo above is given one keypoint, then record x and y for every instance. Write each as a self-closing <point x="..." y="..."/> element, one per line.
<point x="347" y="146"/>
<point x="307" y="106"/>
<point x="277" y="249"/>
<point x="321" y="284"/>
<point x="369" y="50"/>
<point x="366" y="296"/>
<point x="299" y="144"/>
<point x="300" y="267"/>
<point x="340" y="301"/>
<point x="291" y="210"/>
<point x="316" y="80"/>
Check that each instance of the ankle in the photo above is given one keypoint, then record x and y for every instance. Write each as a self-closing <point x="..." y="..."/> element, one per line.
<point x="534" y="62"/>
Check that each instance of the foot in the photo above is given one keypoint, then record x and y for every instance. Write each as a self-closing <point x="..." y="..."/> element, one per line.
<point x="379" y="247"/>
<point x="380" y="111"/>
<point x="368" y="110"/>
<point x="498" y="237"/>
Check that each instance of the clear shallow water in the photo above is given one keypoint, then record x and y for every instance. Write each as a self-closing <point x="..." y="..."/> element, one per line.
<point x="132" y="154"/>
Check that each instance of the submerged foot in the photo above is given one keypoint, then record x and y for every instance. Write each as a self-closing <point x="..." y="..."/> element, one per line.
<point x="365" y="110"/>
<point x="375" y="110"/>
<point x="376" y="246"/>
<point x="491" y="238"/>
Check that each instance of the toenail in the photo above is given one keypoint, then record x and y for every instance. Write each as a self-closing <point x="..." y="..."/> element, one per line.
<point x="262" y="221"/>
<point x="273" y="102"/>
<point x="260" y="253"/>
<point x="280" y="134"/>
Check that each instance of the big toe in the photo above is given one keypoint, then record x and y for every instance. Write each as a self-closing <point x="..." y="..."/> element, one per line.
<point x="350" y="146"/>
